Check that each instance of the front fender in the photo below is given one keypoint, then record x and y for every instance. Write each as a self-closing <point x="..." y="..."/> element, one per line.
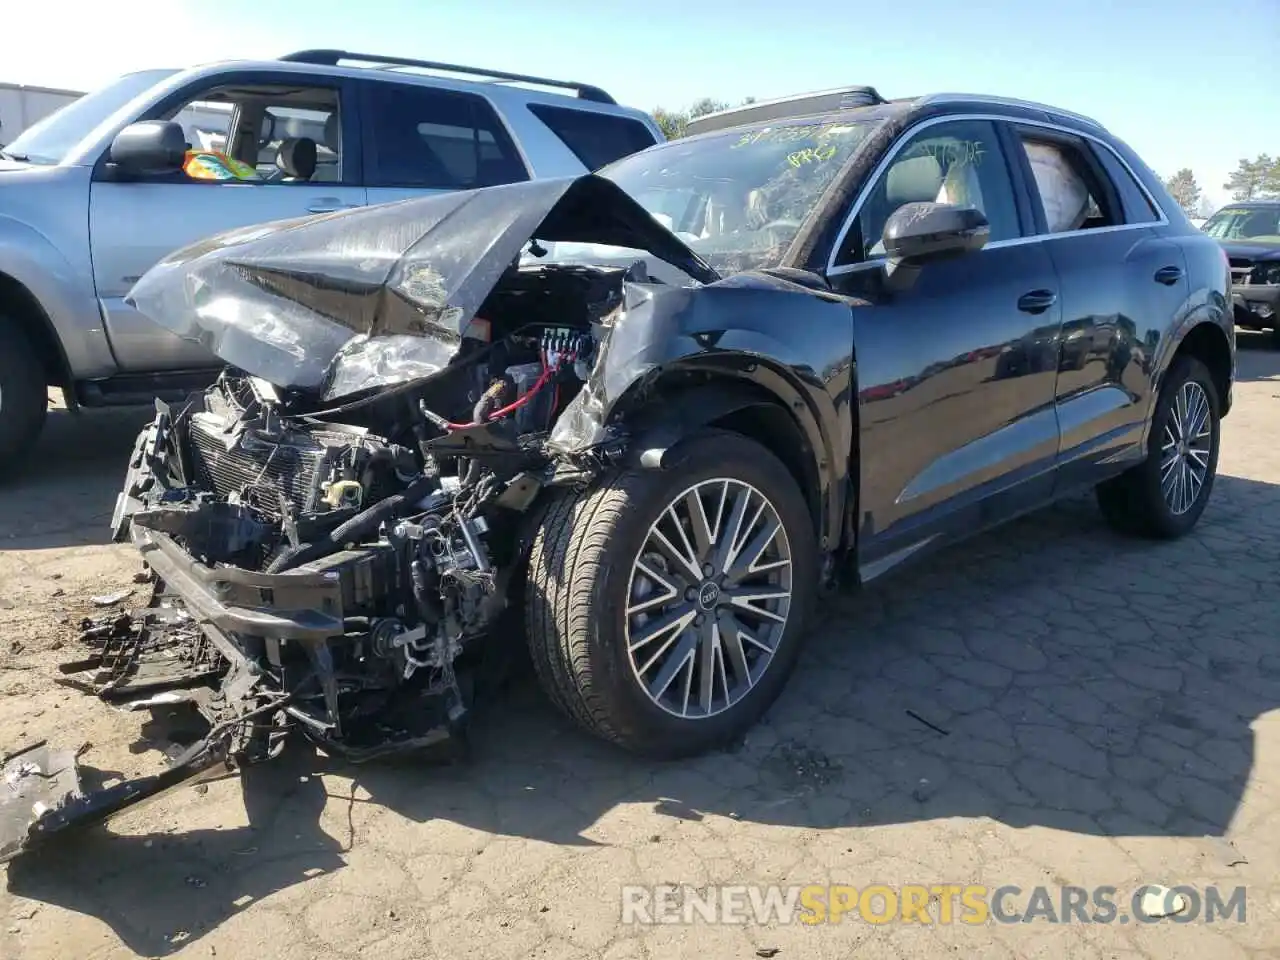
<point x="787" y="341"/>
<point x="64" y="293"/>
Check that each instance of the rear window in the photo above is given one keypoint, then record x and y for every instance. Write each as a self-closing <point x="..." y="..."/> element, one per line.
<point x="596" y="139"/>
<point x="418" y="136"/>
<point x="1137" y="207"/>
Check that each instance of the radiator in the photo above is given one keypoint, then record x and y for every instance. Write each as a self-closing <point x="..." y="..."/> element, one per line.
<point x="256" y="467"/>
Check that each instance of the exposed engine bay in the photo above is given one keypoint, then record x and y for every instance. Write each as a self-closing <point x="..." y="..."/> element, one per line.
<point x="332" y="570"/>
<point x="436" y="446"/>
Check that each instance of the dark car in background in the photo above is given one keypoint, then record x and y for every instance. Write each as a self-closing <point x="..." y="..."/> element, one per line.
<point x="1250" y="234"/>
<point x="639" y="420"/>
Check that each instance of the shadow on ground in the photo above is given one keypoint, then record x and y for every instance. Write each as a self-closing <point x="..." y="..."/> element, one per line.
<point x="1050" y="673"/>
<point x="66" y="489"/>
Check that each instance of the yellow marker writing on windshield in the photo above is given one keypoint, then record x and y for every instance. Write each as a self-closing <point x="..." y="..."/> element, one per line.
<point x="811" y="155"/>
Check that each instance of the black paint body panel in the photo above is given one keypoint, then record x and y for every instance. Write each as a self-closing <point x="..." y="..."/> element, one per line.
<point x="968" y="410"/>
<point x="790" y="342"/>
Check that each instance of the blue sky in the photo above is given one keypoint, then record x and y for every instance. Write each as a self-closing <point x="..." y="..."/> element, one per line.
<point x="1187" y="84"/>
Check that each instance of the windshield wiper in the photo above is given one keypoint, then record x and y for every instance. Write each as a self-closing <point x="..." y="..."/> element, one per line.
<point x="19" y="157"/>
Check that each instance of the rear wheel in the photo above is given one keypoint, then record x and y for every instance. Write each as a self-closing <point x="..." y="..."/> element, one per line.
<point x="1165" y="494"/>
<point x="665" y="608"/>
<point x="24" y="398"/>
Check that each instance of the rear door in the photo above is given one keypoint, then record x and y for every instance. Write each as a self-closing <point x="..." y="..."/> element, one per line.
<point x="422" y="140"/>
<point x="956" y="375"/>
<point x="1122" y="282"/>
<point x="134" y="223"/>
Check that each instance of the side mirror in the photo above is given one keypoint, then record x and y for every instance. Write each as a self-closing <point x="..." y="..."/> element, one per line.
<point x="149" y="148"/>
<point x="919" y="233"/>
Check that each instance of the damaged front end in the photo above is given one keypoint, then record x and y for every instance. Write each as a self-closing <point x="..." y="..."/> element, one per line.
<point x="330" y="542"/>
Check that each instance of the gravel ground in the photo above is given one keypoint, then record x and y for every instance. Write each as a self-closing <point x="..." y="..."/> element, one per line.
<point x="1049" y="704"/>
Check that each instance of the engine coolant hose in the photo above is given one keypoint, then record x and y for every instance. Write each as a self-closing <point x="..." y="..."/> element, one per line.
<point x="358" y="526"/>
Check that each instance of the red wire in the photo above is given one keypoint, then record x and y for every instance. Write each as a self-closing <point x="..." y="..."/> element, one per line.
<point x="515" y="405"/>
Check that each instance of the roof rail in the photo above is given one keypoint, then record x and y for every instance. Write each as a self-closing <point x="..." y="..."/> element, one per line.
<point x="797" y="105"/>
<point x="1009" y="102"/>
<point x="331" y="58"/>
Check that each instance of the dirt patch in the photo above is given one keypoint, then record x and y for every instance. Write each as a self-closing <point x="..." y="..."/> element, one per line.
<point x="55" y="555"/>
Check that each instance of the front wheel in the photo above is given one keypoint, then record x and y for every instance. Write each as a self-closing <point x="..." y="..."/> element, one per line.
<point x="665" y="608"/>
<point x="24" y="398"/>
<point x="1165" y="494"/>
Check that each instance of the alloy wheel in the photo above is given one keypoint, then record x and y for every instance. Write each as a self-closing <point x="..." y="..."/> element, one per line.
<point x="708" y="598"/>
<point x="1186" y="448"/>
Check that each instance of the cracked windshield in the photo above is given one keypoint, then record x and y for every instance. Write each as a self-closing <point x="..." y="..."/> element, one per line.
<point x="738" y="199"/>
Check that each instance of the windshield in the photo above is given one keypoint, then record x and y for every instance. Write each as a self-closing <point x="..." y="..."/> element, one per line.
<point x="50" y="140"/>
<point x="1258" y="223"/>
<point x="738" y="198"/>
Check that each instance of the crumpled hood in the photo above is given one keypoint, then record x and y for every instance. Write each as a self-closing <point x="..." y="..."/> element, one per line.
<point x="1251" y="249"/>
<point x="381" y="295"/>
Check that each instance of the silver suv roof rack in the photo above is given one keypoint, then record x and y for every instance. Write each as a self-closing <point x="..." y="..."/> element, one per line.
<point x="797" y="105"/>
<point x="1009" y="102"/>
<point x="331" y="58"/>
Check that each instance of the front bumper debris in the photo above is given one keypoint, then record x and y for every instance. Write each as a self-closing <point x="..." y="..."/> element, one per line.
<point x="175" y="652"/>
<point x="42" y="796"/>
<point x="305" y="604"/>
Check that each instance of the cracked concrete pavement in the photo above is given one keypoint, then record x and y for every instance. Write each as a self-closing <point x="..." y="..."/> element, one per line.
<point x="1048" y="704"/>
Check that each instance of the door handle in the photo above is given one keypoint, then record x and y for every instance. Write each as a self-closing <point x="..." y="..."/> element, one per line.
<point x="1169" y="275"/>
<point x="1037" y="301"/>
<point x="329" y="205"/>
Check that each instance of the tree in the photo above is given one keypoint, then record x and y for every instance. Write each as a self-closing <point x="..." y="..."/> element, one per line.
<point x="706" y="105"/>
<point x="671" y="124"/>
<point x="1182" y="187"/>
<point x="674" y="123"/>
<point x="1255" y="179"/>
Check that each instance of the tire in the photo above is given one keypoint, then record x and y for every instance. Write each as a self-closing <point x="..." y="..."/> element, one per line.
<point x="585" y="573"/>
<point x="1135" y="502"/>
<point x="24" y="397"/>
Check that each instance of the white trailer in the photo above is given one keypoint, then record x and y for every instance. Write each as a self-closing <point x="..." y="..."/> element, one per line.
<point x="21" y="106"/>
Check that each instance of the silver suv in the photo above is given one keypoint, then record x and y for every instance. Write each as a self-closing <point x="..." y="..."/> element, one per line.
<point x="94" y="195"/>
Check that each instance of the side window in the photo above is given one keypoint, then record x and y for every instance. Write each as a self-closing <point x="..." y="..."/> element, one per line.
<point x="323" y="127"/>
<point x="597" y="139"/>
<point x="1074" y="192"/>
<point x="435" y="139"/>
<point x="206" y="124"/>
<point x="959" y="162"/>
<point x="263" y="134"/>
<point x="1137" y="207"/>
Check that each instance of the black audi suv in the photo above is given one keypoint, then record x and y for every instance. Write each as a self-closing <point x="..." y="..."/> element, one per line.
<point x="639" y="419"/>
